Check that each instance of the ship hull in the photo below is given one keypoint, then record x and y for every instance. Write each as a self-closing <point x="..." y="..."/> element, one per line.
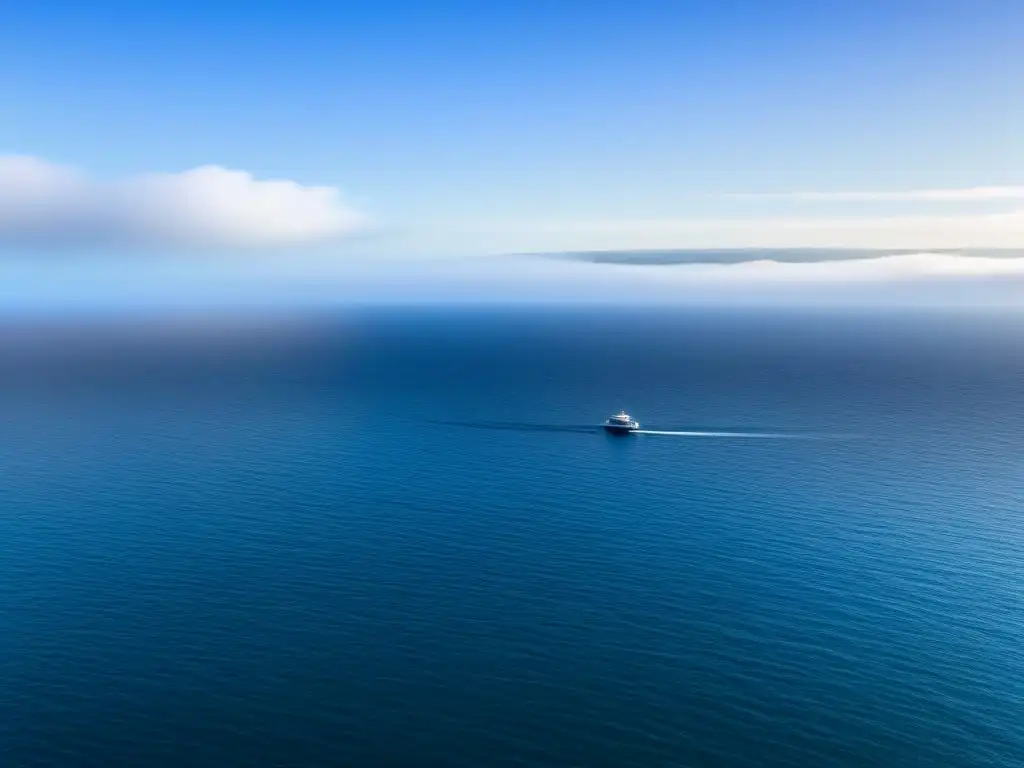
<point x="619" y="429"/>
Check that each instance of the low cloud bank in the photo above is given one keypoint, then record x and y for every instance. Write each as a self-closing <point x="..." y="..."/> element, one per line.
<point x="810" y="264"/>
<point x="47" y="205"/>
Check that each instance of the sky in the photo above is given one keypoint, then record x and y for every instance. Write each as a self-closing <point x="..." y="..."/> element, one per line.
<point x="378" y="144"/>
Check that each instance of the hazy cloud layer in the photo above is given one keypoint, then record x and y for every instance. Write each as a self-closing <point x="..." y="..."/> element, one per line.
<point x="226" y="284"/>
<point x="890" y="233"/>
<point x="964" y="195"/>
<point x="42" y="204"/>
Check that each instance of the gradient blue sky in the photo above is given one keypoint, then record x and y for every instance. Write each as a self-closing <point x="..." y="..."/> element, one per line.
<point x="462" y="127"/>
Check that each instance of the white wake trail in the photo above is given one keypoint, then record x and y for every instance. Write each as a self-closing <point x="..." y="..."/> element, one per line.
<point x="764" y="435"/>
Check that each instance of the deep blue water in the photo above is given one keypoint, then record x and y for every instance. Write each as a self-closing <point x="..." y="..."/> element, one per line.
<point x="392" y="537"/>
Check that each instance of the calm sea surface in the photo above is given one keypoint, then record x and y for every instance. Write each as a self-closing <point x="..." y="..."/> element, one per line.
<point x="394" y="537"/>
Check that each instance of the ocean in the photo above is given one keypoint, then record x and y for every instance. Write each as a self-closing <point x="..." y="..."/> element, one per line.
<point x="396" y="536"/>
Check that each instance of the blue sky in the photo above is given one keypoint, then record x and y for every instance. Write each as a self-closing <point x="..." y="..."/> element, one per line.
<point x="464" y="128"/>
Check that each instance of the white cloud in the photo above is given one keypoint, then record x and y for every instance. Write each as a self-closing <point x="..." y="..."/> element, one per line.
<point x="46" y="204"/>
<point x="964" y="195"/>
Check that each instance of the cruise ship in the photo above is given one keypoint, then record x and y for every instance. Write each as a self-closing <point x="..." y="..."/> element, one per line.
<point x="621" y="424"/>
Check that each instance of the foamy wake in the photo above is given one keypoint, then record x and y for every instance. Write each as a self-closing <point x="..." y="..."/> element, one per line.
<point x="688" y="433"/>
